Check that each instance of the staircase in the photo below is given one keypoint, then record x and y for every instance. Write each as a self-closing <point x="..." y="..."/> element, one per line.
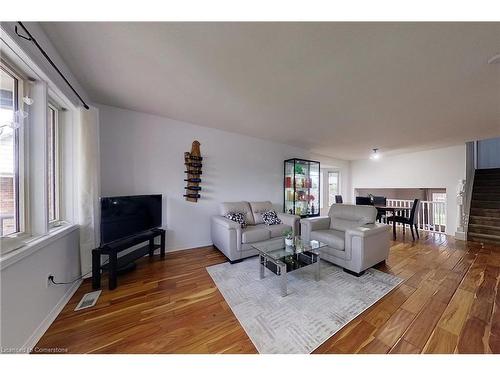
<point x="484" y="218"/>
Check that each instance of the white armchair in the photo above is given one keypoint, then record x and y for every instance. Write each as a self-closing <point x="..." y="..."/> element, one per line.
<point x="355" y="242"/>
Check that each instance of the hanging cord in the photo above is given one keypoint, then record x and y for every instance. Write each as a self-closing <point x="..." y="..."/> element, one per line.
<point x="52" y="280"/>
<point x="30" y="38"/>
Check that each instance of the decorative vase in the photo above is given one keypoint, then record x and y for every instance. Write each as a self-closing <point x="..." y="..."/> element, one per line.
<point x="289" y="241"/>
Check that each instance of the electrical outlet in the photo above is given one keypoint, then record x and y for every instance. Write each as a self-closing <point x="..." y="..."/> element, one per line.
<point x="49" y="276"/>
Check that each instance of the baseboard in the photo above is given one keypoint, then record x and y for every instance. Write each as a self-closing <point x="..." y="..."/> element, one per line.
<point x="49" y="319"/>
<point x="461" y="236"/>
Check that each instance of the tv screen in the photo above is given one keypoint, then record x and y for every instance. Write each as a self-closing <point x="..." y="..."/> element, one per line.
<point x="126" y="216"/>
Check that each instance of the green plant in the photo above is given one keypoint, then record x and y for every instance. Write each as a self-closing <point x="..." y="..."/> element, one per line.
<point x="288" y="233"/>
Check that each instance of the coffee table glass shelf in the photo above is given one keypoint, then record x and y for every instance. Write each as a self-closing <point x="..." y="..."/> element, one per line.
<point x="281" y="259"/>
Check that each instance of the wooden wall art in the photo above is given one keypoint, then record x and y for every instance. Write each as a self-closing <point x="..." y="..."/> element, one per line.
<point x="192" y="161"/>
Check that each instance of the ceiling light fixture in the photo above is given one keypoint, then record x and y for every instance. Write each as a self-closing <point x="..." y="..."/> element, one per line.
<point x="375" y="155"/>
<point x="495" y="59"/>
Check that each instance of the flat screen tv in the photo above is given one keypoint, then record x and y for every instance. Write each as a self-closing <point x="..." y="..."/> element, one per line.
<point x="123" y="217"/>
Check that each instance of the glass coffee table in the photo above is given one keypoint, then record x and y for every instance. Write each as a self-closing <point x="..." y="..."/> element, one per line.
<point x="281" y="259"/>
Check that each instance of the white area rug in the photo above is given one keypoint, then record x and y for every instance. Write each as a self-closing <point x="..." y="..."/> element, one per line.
<point x="311" y="312"/>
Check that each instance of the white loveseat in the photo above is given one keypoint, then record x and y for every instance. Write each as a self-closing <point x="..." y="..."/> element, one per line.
<point x="236" y="242"/>
<point x="355" y="241"/>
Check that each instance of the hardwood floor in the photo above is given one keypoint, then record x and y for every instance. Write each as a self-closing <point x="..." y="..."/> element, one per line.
<point x="448" y="303"/>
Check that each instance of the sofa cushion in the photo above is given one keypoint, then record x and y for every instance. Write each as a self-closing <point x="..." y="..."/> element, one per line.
<point x="254" y="233"/>
<point x="328" y="252"/>
<point x="332" y="237"/>
<point x="237" y="217"/>
<point x="257" y="208"/>
<point x="270" y="218"/>
<point x="349" y="216"/>
<point x="275" y="230"/>
<point x="244" y="207"/>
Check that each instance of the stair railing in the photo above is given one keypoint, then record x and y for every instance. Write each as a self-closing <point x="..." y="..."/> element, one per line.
<point x="431" y="216"/>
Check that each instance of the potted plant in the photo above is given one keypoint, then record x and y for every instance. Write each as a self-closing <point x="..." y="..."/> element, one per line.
<point x="288" y="234"/>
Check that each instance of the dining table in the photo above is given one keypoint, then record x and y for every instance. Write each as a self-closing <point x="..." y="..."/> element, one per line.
<point x="392" y="209"/>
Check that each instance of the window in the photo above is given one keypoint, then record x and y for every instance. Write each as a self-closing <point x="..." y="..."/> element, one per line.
<point x="53" y="164"/>
<point x="36" y="153"/>
<point x="333" y="187"/>
<point x="9" y="153"/>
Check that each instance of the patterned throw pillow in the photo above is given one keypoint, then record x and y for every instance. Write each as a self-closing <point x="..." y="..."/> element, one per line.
<point x="270" y="218"/>
<point x="238" y="217"/>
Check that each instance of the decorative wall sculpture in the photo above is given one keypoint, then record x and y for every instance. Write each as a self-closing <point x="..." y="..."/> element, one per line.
<point x="192" y="161"/>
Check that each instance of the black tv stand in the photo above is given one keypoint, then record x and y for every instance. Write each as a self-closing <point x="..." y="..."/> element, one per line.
<point x="117" y="265"/>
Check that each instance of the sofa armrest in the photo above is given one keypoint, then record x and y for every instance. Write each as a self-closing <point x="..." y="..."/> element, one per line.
<point x="309" y="225"/>
<point x="366" y="246"/>
<point x="226" y="223"/>
<point x="291" y="220"/>
<point x="368" y="230"/>
<point x="317" y="223"/>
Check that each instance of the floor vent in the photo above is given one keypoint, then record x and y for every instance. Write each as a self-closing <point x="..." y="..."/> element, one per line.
<point x="88" y="300"/>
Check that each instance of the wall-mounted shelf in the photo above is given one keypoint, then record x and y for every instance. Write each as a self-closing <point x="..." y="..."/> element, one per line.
<point x="192" y="161"/>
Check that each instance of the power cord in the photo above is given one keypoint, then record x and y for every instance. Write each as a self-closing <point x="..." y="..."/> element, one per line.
<point x="52" y="279"/>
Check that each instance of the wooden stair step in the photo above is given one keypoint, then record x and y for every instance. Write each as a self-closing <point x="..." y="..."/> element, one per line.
<point x="488" y="212"/>
<point x="479" y="237"/>
<point x="484" y="220"/>
<point x="488" y="171"/>
<point x="487" y="182"/>
<point x="487" y="175"/>
<point x="485" y="189"/>
<point x="484" y="229"/>
<point x="485" y="204"/>
<point x="486" y="196"/>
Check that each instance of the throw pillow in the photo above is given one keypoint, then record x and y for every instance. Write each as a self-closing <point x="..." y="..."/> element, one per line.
<point x="238" y="217"/>
<point x="270" y="218"/>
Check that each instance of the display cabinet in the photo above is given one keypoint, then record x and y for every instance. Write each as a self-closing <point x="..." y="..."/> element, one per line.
<point x="302" y="187"/>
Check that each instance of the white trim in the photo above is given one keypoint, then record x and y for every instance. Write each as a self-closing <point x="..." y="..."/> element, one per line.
<point x="21" y="200"/>
<point x="49" y="319"/>
<point x="57" y="167"/>
<point x="36" y="244"/>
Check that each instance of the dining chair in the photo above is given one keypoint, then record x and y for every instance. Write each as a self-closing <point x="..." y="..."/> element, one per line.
<point x="338" y="199"/>
<point x="411" y="220"/>
<point x="364" y="201"/>
<point x="380" y="201"/>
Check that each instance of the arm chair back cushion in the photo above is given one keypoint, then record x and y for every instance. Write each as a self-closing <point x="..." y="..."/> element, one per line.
<point x="349" y="216"/>
<point x="258" y="208"/>
<point x="243" y="207"/>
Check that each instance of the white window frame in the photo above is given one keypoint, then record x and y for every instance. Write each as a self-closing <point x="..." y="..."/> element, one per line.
<point x="57" y="165"/>
<point x="33" y="206"/>
<point x="22" y="194"/>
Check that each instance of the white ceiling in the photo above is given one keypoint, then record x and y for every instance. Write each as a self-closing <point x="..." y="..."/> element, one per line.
<point x="339" y="89"/>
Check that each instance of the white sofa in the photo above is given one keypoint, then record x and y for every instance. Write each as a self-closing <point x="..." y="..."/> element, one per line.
<point x="236" y="242"/>
<point x="355" y="241"/>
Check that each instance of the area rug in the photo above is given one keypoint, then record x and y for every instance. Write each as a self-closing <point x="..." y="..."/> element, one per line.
<point x="312" y="311"/>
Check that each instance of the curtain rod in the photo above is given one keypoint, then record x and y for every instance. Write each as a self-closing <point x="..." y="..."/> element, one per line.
<point x="32" y="39"/>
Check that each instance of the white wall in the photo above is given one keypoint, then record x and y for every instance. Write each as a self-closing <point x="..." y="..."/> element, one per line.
<point x="28" y="305"/>
<point x="142" y="153"/>
<point x="439" y="168"/>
